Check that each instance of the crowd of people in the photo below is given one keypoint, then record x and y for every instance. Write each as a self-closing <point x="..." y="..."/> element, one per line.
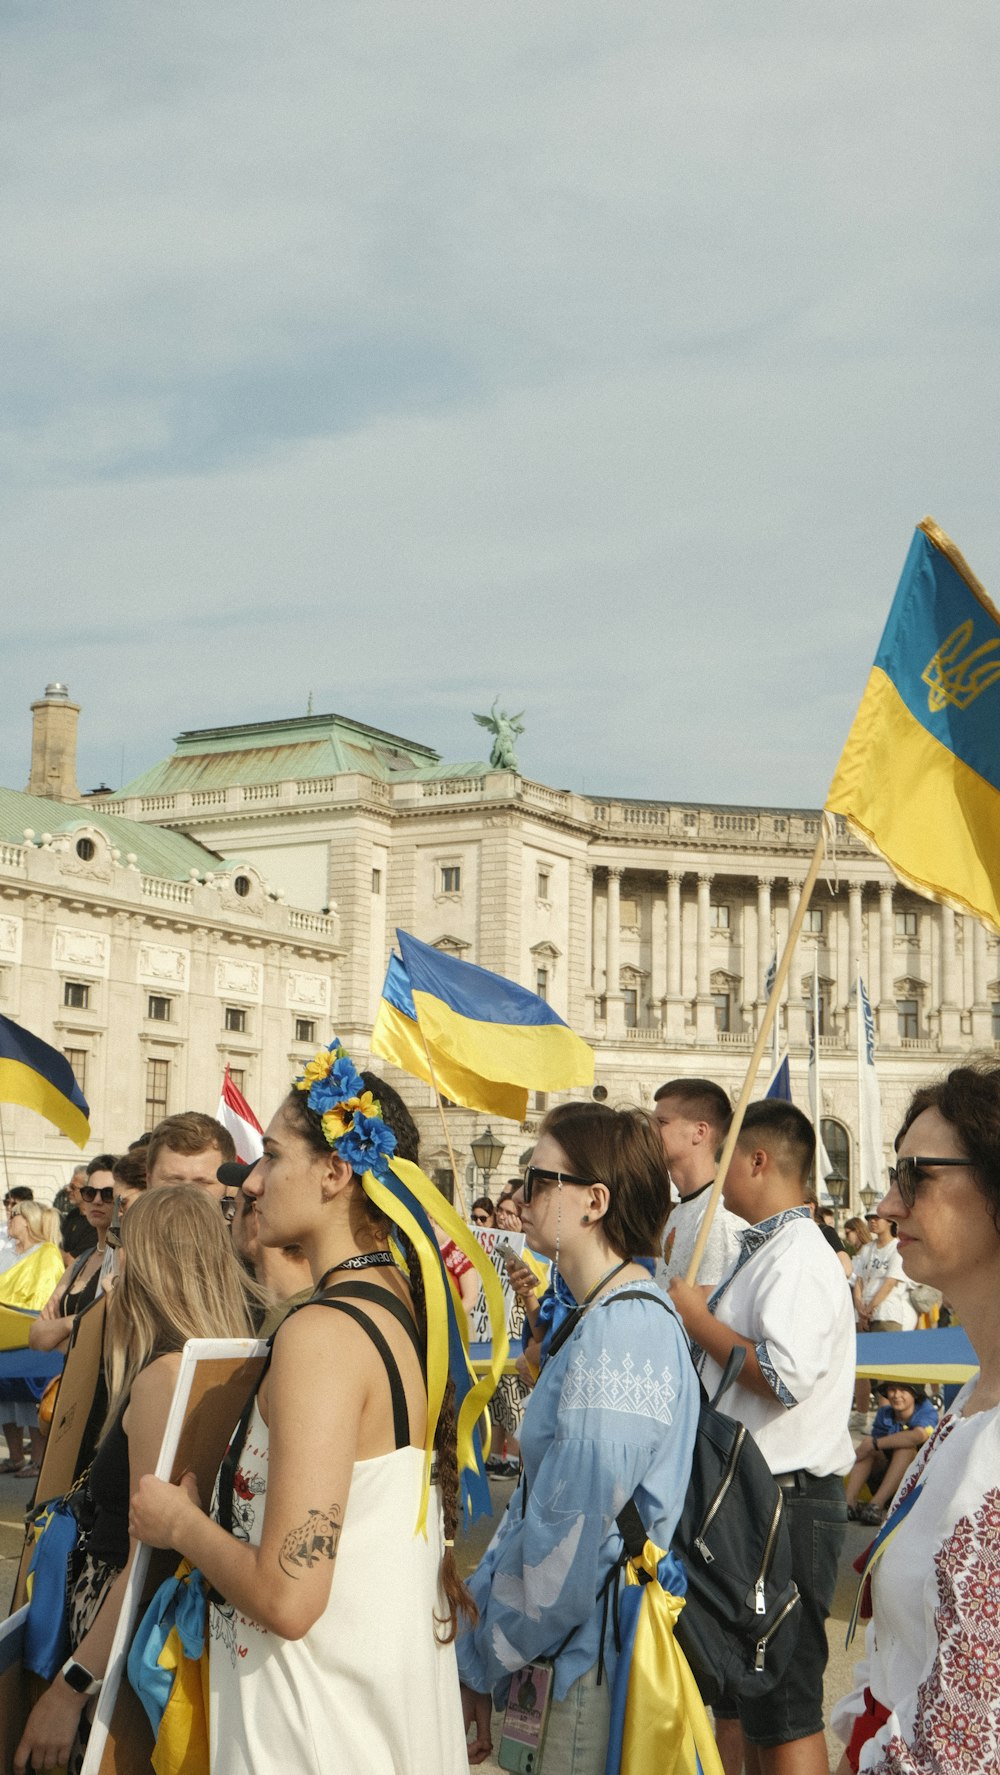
<point x="331" y="1621"/>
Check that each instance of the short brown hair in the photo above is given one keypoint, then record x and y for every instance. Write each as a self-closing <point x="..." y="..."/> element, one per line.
<point x="969" y="1098"/>
<point x="700" y="1100"/>
<point x="622" y="1149"/>
<point x="190" y="1133"/>
<point x="784" y="1133"/>
<point x="130" y="1169"/>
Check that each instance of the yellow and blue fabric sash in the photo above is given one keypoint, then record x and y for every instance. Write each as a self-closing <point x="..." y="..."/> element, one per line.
<point x="889" y="1528"/>
<point x="168" y="1669"/>
<point x="658" y="1718"/>
<point x="409" y="1199"/>
<point x="30" y="1281"/>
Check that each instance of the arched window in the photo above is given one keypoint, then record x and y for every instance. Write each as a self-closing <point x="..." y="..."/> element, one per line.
<point x="838" y="1147"/>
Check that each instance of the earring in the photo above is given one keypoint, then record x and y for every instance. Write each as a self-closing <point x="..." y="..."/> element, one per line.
<point x="585" y="1220"/>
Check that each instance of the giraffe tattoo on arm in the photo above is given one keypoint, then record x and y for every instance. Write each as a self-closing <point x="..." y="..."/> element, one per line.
<point x="315" y="1539"/>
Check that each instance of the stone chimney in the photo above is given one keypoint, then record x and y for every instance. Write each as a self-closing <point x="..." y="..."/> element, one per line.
<point x="53" y="745"/>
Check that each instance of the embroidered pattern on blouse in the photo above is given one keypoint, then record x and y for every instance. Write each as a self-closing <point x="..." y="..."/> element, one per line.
<point x="637" y="1390"/>
<point x="751" y="1239"/>
<point x="772" y="1376"/>
<point x="956" y="1719"/>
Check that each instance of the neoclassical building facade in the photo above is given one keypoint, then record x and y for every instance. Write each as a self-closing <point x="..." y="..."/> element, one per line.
<point x="649" y="925"/>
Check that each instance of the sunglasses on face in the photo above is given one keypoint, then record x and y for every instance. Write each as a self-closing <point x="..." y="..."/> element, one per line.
<point x="905" y="1175"/>
<point x="89" y="1193"/>
<point x="534" y="1175"/>
<point x="480" y="1220"/>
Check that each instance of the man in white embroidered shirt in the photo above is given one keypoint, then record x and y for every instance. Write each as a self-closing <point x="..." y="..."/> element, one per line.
<point x="786" y="1302"/>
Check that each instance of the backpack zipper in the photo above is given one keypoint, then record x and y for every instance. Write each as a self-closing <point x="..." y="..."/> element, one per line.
<point x="760" y="1605"/>
<point x="715" y="1506"/>
<point x="762" y="1644"/>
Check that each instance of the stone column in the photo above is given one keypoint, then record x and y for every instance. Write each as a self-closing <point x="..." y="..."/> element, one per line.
<point x="888" y="1022"/>
<point x="657" y="955"/>
<point x="704" y="1010"/>
<point x="674" y="1024"/>
<point x="614" y="1003"/>
<point x="949" y="1009"/>
<point x="797" y="1032"/>
<point x="764" y="943"/>
<point x="589" y="955"/>
<point x="982" y="1013"/>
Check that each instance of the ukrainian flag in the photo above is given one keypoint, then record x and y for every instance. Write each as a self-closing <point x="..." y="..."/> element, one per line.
<point x="40" y="1078"/>
<point x="490" y="1041"/>
<point x="919" y="777"/>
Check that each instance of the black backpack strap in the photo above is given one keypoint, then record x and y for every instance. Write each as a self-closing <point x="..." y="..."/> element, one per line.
<point x="379" y="1297"/>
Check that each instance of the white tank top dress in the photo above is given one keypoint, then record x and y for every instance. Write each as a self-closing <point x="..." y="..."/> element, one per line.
<point x="369" y="1690"/>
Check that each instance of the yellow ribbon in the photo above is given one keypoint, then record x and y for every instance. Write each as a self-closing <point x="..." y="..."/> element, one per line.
<point x="429" y="1258"/>
<point x="666" y="1725"/>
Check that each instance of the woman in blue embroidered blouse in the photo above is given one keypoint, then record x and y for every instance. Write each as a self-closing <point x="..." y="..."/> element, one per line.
<point x="613" y="1415"/>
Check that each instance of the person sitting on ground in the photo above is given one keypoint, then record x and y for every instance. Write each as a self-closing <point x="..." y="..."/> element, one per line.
<point x="79" y="1285"/>
<point x="902" y="1425"/>
<point x="27" y="1284"/>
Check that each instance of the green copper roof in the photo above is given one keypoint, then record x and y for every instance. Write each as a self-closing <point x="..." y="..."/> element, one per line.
<point x="273" y="751"/>
<point x="170" y="855"/>
<point x="309" y="746"/>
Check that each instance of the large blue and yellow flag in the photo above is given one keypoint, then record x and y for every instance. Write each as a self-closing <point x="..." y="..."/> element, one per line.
<point x="40" y="1078"/>
<point x="919" y="777"/>
<point x="489" y="1040"/>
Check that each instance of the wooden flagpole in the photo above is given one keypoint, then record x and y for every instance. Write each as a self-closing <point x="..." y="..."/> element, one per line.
<point x="444" y="1120"/>
<point x="770" y="1013"/>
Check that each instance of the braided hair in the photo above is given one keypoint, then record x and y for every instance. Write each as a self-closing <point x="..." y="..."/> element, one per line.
<point x="395" y="1114"/>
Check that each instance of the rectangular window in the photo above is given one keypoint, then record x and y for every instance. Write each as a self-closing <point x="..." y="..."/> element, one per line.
<point x="631" y="1001"/>
<point x="908" y="1014"/>
<point x="76" y="994"/>
<point x="542" y="982"/>
<point x="236" y="1019"/>
<point x="445" y="1181"/>
<point x="157" y="1080"/>
<point x="824" y="1028"/>
<point x="77" y="1058"/>
<point x="157" y="1008"/>
<point x="451" y="879"/>
<point x="722" y="1003"/>
<point x="906" y="924"/>
<point x="814" y="920"/>
<point x="542" y="881"/>
<point x="541" y="1100"/>
<point x="239" y="1078"/>
<point x="305" y="1029"/>
<point x="376" y="881"/>
<point x="720" y="918"/>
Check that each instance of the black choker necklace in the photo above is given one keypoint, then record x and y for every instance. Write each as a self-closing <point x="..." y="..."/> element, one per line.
<point x="367" y="1260"/>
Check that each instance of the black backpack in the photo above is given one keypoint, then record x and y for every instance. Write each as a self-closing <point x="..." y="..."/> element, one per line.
<point x="738" y="1626"/>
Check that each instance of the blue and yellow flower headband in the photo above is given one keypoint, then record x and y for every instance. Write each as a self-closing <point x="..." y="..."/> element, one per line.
<point x="352" y="1123"/>
<point x="350" y="1115"/>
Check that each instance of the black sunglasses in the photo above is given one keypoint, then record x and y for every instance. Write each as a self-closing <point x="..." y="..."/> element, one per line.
<point x="535" y="1175"/>
<point x="480" y="1220"/>
<point x="90" y="1194"/>
<point x="904" y="1175"/>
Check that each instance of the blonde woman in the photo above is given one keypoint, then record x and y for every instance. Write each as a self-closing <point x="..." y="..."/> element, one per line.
<point x="180" y="1279"/>
<point x="27" y="1284"/>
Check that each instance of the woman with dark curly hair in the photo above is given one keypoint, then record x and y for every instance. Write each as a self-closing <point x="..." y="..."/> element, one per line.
<point x="928" y="1695"/>
<point x="333" y="1631"/>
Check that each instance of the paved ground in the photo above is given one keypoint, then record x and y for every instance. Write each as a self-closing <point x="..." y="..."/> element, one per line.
<point x="15" y="1495"/>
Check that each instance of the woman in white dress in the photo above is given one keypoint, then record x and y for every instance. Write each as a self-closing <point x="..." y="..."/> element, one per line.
<point x="928" y="1693"/>
<point x="331" y="1639"/>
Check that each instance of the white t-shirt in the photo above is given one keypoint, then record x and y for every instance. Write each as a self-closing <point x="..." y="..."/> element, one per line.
<point x="787" y="1295"/>
<point x="877" y="1264"/>
<point x="682" y="1229"/>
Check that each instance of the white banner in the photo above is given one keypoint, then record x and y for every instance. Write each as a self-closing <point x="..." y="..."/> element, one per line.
<point x="871" y="1159"/>
<point x="823" y="1165"/>
<point x="489" y="1238"/>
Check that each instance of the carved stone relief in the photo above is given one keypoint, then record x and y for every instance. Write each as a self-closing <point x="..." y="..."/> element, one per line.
<point x="307" y="992"/>
<point x="160" y="966"/>
<point x="239" y="979"/>
<point x="87" y="950"/>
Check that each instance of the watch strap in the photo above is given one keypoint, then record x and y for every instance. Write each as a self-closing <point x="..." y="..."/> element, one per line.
<point x="79" y="1678"/>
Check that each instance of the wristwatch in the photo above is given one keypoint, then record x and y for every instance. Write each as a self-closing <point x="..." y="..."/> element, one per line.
<point x="79" y="1678"/>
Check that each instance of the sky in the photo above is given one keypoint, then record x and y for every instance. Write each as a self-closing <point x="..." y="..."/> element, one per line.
<point x="598" y="357"/>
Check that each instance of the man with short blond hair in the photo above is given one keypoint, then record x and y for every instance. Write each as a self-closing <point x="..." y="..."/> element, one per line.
<point x="691" y="1117"/>
<point x="188" y="1148"/>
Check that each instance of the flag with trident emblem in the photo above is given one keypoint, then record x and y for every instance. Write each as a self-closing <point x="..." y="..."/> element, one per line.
<point x="919" y="777"/>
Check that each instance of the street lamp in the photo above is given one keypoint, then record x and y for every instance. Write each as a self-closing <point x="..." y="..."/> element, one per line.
<point x="487" y="1151"/>
<point x="836" y="1183"/>
<point x="869" y="1196"/>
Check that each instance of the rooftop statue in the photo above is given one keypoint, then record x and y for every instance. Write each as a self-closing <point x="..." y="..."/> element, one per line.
<point x="505" y="730"/>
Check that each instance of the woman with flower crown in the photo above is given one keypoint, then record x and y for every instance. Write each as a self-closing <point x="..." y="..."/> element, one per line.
<point x="328" y="1550"/>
